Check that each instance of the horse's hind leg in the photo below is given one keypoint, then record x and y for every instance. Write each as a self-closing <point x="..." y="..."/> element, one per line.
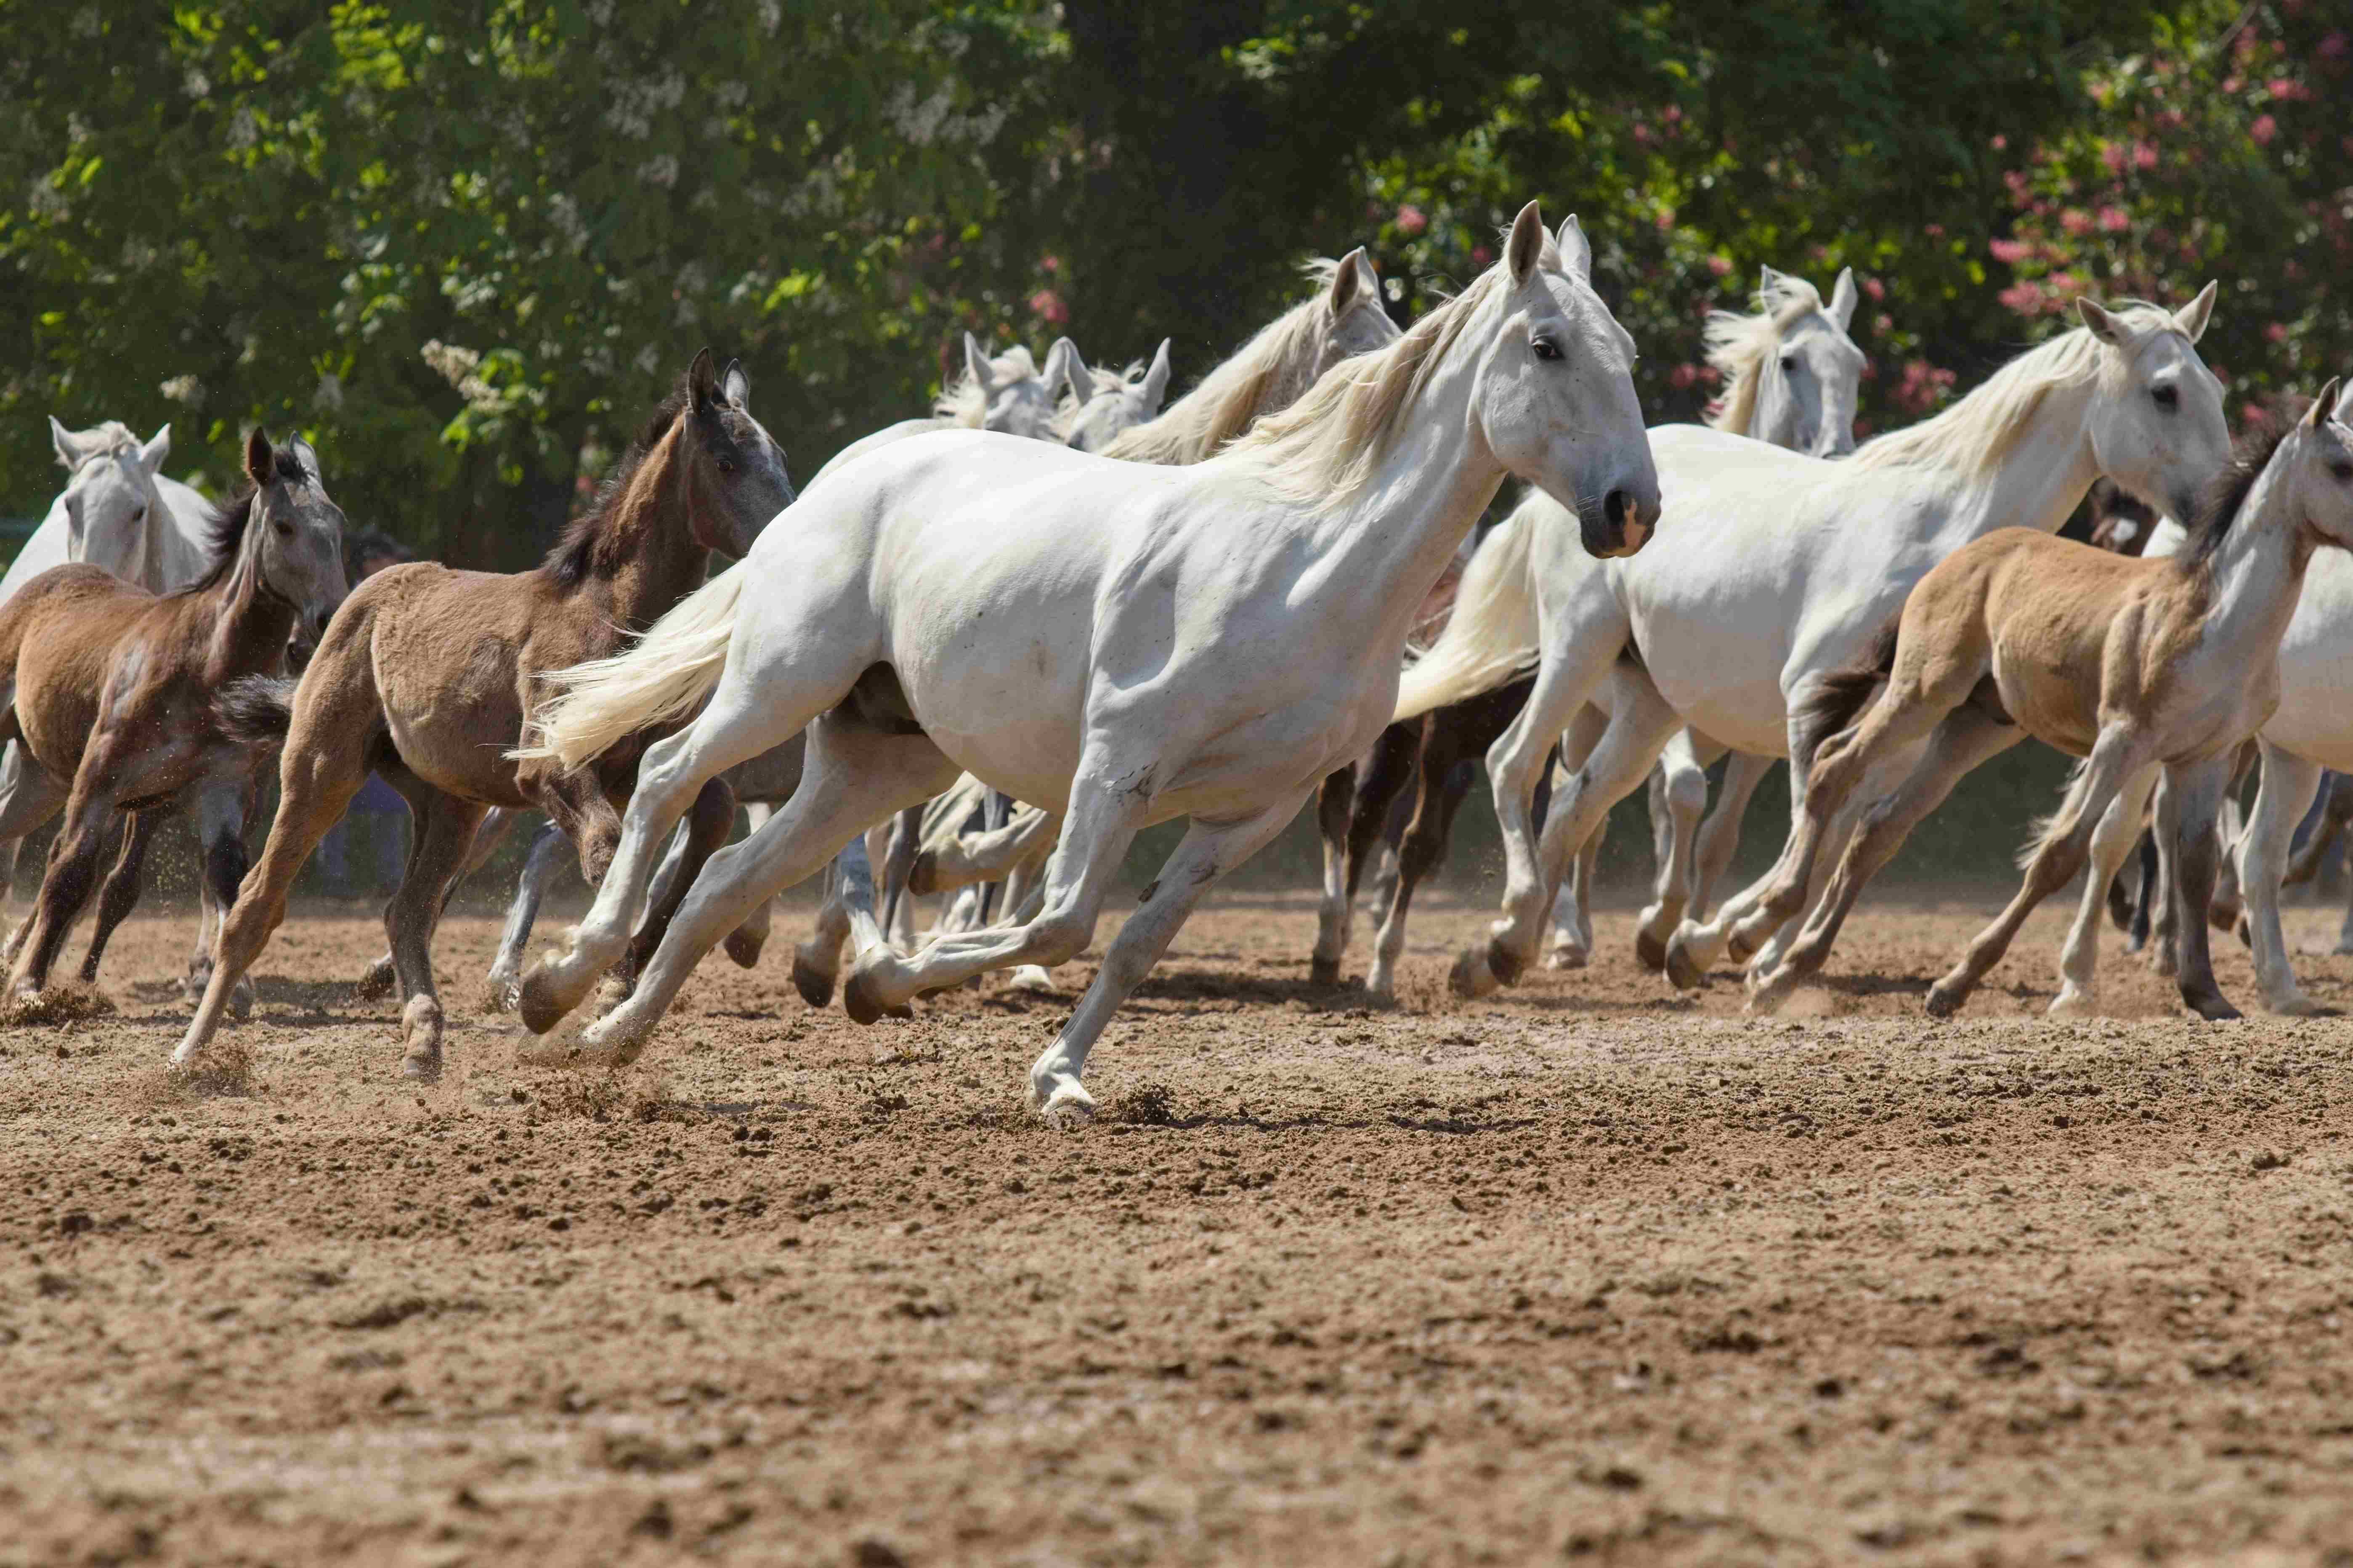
<point x="1572" y="923"/>
<point x="445" y="831"/>
<point x="1336" y="803"/>
<point x="90" y="827"/>
<point x="120" y="893"/>
<point x="707" y="824"/>
<point x="538" y="867"/>
<point x="501" y="822"/>
<point x="743" y="944"/>
<point x="2119" y="753"/>
<point x="28" y="799"/>
<point x="1678" y="799"/>
<point x="1719" y="835"/>
<point x="855" y="776"/>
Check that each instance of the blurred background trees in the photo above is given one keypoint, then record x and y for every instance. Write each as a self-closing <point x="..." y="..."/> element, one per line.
<point x="467" y="245"/>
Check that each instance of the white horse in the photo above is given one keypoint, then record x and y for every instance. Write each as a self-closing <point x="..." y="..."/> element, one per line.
<point x="118" y="510"/>
<point x="1124" y="643"/>
<point x="1102" y="405"/>
<point x="1789" y="368"/>
<point x="1006" y="393"/>
<point x="1791" y="372"/>
<point x="2309" y="731"/>
<point x="1780" y="569"/>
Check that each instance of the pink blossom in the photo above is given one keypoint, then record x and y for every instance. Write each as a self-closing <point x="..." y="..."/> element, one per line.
<point x="1410" y="219"/>
<point x="1862" y="428"/>
<point x="2173" y="119"/>
<point x="1050" y="264"/>
<point x="1666" y="219"/>
<point x="2251" y="412"/>
<point x="2009" y="252"/>
<point x="1673" y="114"/>
<point x="2112" y="219"/>
<point x="1999" y="143"/>
<point x="2144" y="155"/>
<point x="2112" y="153"/>
<point x="1682" y="376"/>
<point x="1480" y="255"/>
<point x="1720" y="264"/>
<point x="1048" y="306"/>
<point x="2264" y="130"/>
<point x="1641" y="134"/>
<point x="1875" y="287"/>
<point x="1934" y="231"/>
<point x="2023" y="298"/>
<point x="2276" y="331"/>
<point x="2334" y="46"/>
<point x="2232" y="84"/>
<point x="2288" y="88"/>
<point x="2076" y="220"/>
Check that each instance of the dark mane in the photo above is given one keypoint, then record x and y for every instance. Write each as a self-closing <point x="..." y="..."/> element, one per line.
<point x="587" y="545"/>
<point x="223" y="532"/>
<point x="2227" y="496"/>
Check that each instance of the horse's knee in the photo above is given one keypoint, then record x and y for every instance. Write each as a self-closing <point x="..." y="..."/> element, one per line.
<point x="1686" y="791"/>
<point x="1058" y="936"/>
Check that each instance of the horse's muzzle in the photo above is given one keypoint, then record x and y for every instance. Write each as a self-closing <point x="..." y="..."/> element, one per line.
<point x="1622" y="526"/>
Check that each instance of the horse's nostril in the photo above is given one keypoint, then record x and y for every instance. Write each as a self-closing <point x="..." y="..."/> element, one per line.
<point x="1618" y="507"/>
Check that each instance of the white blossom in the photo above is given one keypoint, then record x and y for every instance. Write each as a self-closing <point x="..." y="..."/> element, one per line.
<point x="184" y="389"/>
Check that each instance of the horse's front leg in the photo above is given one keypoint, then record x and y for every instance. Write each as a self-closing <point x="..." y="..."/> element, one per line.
<point x="744" y="942"/>
<point x="120" y="893"/>
<point x="2289" y="783"/>
<point x="2112" y="843"/>
<point x="1678" y="798"/>
<point x="708" y="824"/>
<point x="29" y="797"/>
<point x="1572" y="921"/>
<point x="1207" y="852"/>
<point x="1719" y="835"/>
<point x="91" y="823"/>
<point x="2188" y="818"/>
<point x="1335" y="804"/>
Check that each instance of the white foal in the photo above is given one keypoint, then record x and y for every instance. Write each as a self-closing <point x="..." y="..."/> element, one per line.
<point x="1121" y="643"/>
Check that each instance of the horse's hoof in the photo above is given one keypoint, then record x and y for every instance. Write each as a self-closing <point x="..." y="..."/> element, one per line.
<point x="745" y="947"/>
<point x="1506" y="965"/>
<point x="2135" y="941"/>
<point x="814" y="984"/>
<point x="924" y="876"/>
<point x="1738" y="949"/>
<point x="2246" y="932"/>
<point x="193" y="983"/>
<point x="1469" y="977"/>
<point x="1323" y="971"/>
<point x="376" y="983"/>
<point x="1943" y="1003"/>
<point x="537" y="1001"/>
<point x="1033" y="979"/>
<point x="420" y="1037"/>
<point x="2222" y="917"/>
<point x="2300" y="1006"/>
<point x="1650" y="952"/>
<point x="1066" y="1106"/>
<point x="2209" y="1005"/>
<point x="1683" y="971"/>
<point x="2072" y="1003"/>
<point x="1566" y="955"/>
<point x="859" y="1001"/>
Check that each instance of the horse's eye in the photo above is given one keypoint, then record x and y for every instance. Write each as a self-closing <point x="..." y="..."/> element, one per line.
<point x="2344" y="472"/>
<point x="1545" y="348"/>
<point x="726" y="465"/>
<point x="2167" y="397"/>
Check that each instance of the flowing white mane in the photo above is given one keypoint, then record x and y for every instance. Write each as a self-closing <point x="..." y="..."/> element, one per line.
<point x="1739" y="346"/>
<point x="1325" y="448"/>
<point x="964" y="401"/>
<point x="1974" y="435"/>
<point x="1272" y="369"/>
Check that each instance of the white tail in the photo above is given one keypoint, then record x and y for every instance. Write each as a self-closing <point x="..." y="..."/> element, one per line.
<point x="1491" y="638"/>
<point x="662" y="678"/>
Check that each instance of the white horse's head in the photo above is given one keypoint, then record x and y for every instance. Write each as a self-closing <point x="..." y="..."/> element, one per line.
<point x="1006" y="393"/>
<point x="2156" y="423"/>
<point x="113" y="510"/>
<point x="1104" y="404"/>
<point x="1555" y="397"/>
<point x="2321" y="482"/>
<point x="1353" y="320"/>
<point x="1791" y="371"/>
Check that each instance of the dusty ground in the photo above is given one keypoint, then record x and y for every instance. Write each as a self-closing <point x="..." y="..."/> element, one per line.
<point x="1578" y="1272"/>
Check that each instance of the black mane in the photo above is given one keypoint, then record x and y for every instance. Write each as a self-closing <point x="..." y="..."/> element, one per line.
<point x="224" y="533"/>
<point x="574" y="559"/>
<point x="2227" y="496"/>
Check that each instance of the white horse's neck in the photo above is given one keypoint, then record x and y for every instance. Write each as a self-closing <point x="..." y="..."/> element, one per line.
<point x="1384" y="551"/>
<point x="2041" y="478"/>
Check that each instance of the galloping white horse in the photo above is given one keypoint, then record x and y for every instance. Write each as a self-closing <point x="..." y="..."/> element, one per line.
<point x="1781" y="568"/>
<point x="1121" y="643"/>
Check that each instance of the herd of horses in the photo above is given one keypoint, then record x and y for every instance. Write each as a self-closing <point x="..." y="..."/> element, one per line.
<point x="982" y="650"/>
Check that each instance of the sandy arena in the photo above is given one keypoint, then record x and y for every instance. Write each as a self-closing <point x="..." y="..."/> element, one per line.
<point x="1582" y="1273"/>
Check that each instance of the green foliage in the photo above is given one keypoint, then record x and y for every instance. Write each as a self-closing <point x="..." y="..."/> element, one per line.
<point x="467" y="245"/>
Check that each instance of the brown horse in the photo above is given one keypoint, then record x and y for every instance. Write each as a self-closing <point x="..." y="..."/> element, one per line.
<point x="2138" y="667"/>
<point x="111" y="688"/>
<point x="426" y="673"/>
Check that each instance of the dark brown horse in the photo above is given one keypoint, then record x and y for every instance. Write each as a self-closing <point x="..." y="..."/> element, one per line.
<point x="426" y="673"/>
<point x="111" y="688"/>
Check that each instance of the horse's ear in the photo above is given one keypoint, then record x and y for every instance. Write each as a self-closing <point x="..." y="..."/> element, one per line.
<point x="736" y="385"/>
<point x="1348" y="282"/>
<point x="2192" y="318"/>
<point x="2324" y="407"/>
<point x="1065" y="361"/>
<point x="1575" y="251"/>
<point x="260" y="462"/>
<point x="158" y="447"/>
<point x="1525" y="249"/>
<point x="1155" y="382"/>
<point x="975" y="365"/>
<point x="1368" y="280"/>
<point x="68" y="444"/>
<point x="703" y="379"/>
<point x="2100" y="323"/>
<point x="1842" y="298"/>
<point x="2345" y="405"/>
